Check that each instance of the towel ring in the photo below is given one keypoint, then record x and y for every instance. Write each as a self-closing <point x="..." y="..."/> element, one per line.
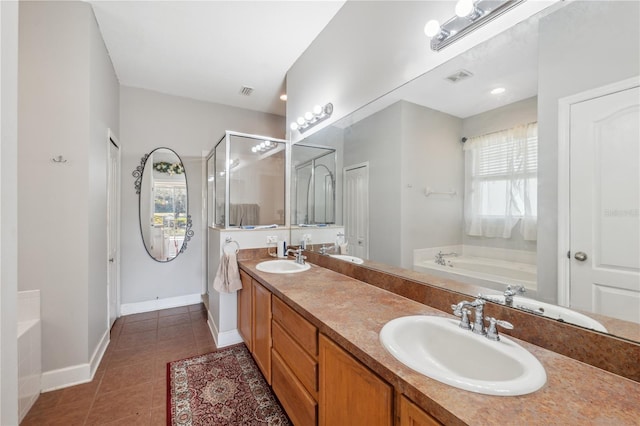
<point x="228" y="241"/>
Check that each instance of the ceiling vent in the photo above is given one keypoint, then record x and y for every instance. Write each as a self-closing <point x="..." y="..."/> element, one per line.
<point x="246" y="90"/>
<point x="459" y="75"/>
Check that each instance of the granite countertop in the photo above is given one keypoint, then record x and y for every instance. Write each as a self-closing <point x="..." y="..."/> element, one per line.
<point x="352" y="313"/>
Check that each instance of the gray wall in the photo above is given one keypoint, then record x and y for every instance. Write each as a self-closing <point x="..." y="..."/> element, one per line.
<point x="578" y="52"/>
<point x="431" y="156"/>
<point x="372" y="47"/>
<point x="68" y="97"/>
<point x="8" y="212"/>
<point x="150" y="120"/>
<point x="376" y="139"/>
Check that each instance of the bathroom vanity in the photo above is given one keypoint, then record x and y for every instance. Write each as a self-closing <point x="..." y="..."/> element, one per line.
<point x="316" y="334"/>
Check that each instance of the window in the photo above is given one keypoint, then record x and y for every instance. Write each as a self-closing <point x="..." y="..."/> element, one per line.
<point x="501" y="183"/>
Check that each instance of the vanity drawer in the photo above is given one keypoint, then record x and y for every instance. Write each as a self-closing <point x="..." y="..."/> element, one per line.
<point x="302" y="331"/>
<point x="301" y="408"/>
<point x="301" y="364"/>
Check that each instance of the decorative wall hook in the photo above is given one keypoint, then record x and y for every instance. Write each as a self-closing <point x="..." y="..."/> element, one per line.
<point x="59" y="159"/>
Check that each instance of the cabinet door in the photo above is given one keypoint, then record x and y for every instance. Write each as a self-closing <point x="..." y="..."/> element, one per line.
<point x="350" y="393"/>
<point x="262" y="329"/>
<point x="245" y="311"/>
<point x="412" y="415"/>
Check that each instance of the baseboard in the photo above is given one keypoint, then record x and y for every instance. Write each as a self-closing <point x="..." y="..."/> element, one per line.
<point x="98" y="353"/>
<point x="76" y="374"/>
<point x="226" y="338"/>
<point x="155" y="305"/>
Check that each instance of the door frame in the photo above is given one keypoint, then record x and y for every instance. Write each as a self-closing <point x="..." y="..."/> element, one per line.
<point x="564" y="175"/>
<point x="113" y="140"/>
<point x="345" y="169"/>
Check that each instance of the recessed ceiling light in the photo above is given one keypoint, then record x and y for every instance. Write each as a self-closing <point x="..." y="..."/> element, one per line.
<point x="498" y="91"/>
<point x="283" y="97"/>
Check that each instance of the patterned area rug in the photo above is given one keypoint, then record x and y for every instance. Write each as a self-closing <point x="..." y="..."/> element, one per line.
<point x="224" y="387"/>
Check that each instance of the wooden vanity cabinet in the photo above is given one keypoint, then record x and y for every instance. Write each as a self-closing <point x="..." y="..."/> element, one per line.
<point x="412" y="415"/>
<point x="261" y="335"/>
<point x="245" y="310"/>
<point x="295" y="364"/>
<point x="350" y="393"/>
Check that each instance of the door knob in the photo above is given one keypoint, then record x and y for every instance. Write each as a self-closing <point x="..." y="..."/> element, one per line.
<point x="581" y="256"/>
<point x="111" y="260"/>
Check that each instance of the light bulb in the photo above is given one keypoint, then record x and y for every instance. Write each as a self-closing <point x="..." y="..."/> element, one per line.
<point x="294" y="126"/>
<point x="301" y="121"/>
<point x="432" y="28"/>
<point x="317" y="110"/>
<point x="498" y="91"/>
<point x="283" y="97"/>
<point x="262" y="145"/>
<point x="308" y="116"/>
<point x="267" y="143"/>
<point x="254" y="149"/>
<point x="464" y="8"/>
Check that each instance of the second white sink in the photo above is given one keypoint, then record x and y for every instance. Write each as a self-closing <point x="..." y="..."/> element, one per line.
<point x="438" y="348"/>
<point x="282" y="266"/>
<point x="348" y="258"/>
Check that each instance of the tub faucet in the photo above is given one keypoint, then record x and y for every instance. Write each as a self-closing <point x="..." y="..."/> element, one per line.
<point x="440" y="257"/>
<point x="478" y="323"/>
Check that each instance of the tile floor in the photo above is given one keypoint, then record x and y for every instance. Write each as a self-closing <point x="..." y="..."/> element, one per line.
<point x="129" y="387"/>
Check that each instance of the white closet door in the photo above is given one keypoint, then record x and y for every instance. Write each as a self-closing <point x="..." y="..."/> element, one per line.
<point x="356" y="209"/>
<point x="605" y="205"/>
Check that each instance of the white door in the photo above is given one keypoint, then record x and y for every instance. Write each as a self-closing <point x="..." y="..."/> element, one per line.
<point x="113" y="208"/>
<point x="356" y="209"/>
<point x="605" y="205"/>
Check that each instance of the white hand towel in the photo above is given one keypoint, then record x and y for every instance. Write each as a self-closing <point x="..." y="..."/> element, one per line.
<point x="227" y="278"/>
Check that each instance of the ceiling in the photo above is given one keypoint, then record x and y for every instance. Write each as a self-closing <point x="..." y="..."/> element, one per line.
<point x="209" y="50"/>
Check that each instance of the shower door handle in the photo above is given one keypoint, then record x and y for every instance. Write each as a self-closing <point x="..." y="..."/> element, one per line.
<point x="581" y="256"/>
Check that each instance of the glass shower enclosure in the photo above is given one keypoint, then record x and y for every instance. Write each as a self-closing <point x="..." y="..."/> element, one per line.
<point x="246" y="181"/>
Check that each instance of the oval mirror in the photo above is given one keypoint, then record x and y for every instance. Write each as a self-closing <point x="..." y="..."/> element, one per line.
<point x="163" y="205"/>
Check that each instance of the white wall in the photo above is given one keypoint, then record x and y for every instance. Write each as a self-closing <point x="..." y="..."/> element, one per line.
<point x="572" y="60"/>
<point x="371" y="47"/>
<point x="150" y="120"/>
<point x="8" y="212"/>
<point x="68" y="97"/>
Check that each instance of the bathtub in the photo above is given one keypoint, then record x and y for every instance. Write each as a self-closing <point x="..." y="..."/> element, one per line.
<point x="482" y="271"/>
<point x="29" y="350"/>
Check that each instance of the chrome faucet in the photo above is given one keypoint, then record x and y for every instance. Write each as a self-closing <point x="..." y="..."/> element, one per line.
<point x="510" y="292"/>
<point x="490" y="332"/>
<point x="440" y="257"/>
<point x="298" y="255"/>
<point x="478" y="323"/>
<point x="326" y="249"/>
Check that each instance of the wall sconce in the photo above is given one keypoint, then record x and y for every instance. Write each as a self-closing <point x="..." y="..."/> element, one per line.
<point x="310" y="119"/>
<point x="470" y="14"/>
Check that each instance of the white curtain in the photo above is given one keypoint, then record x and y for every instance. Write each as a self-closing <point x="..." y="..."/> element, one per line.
<point x="501" y="182"/>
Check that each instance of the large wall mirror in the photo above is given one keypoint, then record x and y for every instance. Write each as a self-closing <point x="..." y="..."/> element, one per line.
<point x="165" y="223"/>
<point x="464" y="178"/>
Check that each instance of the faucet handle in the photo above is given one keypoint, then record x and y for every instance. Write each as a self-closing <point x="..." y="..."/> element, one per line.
<point x="463" y="313"/>
<point x="492" y="331"/>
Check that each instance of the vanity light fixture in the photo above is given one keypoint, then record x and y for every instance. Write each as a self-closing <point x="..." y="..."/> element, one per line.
<point x="470" y="14"/>
<point x="311" y="118"/>
<point x="263" y="146"/>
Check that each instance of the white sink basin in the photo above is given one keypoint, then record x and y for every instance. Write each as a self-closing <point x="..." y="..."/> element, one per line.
<point x="438" y="348"/>
<point x="348" y="258"/>
<point x="559" y="313"/>
<point x="282" y="266"/>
